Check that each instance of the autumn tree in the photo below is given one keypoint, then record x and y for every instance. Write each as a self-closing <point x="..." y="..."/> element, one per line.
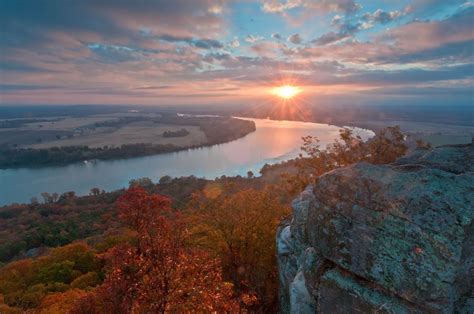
<point x="60" y="302"/>
<point x="385" y="147"/>
<point x="239" y="228"/>
<point x="25" y="283"/>
<point x="346" y="150"/>
<point x="157" y="273"/>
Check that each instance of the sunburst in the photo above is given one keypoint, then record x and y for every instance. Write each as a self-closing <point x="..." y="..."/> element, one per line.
<point x="286" y="91"/>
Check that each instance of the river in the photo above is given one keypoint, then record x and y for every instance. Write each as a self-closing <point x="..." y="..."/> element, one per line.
<point x="272" y="142"/>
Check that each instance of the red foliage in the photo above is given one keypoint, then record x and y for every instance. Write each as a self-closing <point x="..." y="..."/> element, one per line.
<point x="158" y="274"/>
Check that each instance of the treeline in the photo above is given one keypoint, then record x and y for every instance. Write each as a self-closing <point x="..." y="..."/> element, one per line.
<point x="15" y="123"/>
<point x="217" y="131"/>
<point x="55" y="156"/>
<point x="178" y="133"/>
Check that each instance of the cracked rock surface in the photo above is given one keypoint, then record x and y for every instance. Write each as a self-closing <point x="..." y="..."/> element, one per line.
<point x="392" y="238"/>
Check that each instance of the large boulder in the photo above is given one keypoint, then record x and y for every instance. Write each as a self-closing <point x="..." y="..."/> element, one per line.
<point x="385" y="238"/>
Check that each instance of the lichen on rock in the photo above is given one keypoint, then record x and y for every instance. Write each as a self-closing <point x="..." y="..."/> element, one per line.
<point x="391" y="238"/>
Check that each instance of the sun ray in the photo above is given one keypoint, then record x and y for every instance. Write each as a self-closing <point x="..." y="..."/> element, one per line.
<point x="286" y="91"/>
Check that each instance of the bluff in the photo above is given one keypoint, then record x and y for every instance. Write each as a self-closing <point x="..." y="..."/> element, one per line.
<point x="392" y="238"/>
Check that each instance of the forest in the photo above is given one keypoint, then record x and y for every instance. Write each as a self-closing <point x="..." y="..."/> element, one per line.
<point x="178" y="245"/>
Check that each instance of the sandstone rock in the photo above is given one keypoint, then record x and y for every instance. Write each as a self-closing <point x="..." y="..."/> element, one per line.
<point x="399" y="233"/>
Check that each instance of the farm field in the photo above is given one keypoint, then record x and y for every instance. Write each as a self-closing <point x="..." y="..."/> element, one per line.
<point x="96" y="131"/>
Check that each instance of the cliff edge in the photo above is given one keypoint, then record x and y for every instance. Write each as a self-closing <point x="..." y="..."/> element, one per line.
<point x="392" y="238"/>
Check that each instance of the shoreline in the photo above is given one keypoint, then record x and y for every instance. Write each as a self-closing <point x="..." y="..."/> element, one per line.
<point x="122" y="152"/>
<point x="206" y="163"/>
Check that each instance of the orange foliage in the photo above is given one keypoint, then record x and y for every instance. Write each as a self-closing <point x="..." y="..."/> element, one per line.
<point x="26" y="283"/>
<point x="58" y="303"/>
<point x="158" y="274"/>
<point x="239" y="228"/>
<point x="6" y="309"/>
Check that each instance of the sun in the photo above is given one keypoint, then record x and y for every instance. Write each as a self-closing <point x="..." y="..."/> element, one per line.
<point x="286" y="91"/>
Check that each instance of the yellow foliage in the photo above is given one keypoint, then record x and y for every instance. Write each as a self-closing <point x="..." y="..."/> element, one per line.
<point x="240" y="229"/>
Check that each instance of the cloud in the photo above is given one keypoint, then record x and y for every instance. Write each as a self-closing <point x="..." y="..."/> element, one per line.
<point x="295" y="39"/>
<point x="42" y="23"/>
<point x="317" y="6"/>
<point x="216" y="56"/>
<point x="407" y="38"/>
<point x="276" y="36"/>
<point x="418" y="35"/>
<point x="348" y="28"/>
<point x="460" y="52"/>
<point x="20" y="67"/>
<point x="253" y="39"/>
<point x="261" y="69"/>
<point x="275" y="6"/>
<point x="382" y="17"/>
<point x="428" y="44"/>
<point x="425" y="91"/>
<point x="162" y="48"/>
<point x="114" y="53"/>
<point x="235" y="43"/>
<point x="421" y="7"/>
<point x="331" y="38"/>
<point x="267" y="49"/>
<point x="23" y="87"/>
<point x="216" y="9"/>
<point x="410" y="76"/>
<point x="153" y="87"/>
<point x="346" y="31"/>
<point x="336" y="20"/>
<point x="196" y="42"/>
<point x="207" y="43"/>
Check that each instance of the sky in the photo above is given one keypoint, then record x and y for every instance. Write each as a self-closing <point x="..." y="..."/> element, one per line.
<point x="163" y="52"/>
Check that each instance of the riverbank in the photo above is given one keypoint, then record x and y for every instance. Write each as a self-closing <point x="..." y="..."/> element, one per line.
<point x="271" y="143"/>
<point x="126" y="140"/>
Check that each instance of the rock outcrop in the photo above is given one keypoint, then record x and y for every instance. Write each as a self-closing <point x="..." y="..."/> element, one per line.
<point x="393" y="238"/>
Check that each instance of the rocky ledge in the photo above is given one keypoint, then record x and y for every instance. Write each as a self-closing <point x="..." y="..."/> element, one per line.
<point x="392" y="238"/>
